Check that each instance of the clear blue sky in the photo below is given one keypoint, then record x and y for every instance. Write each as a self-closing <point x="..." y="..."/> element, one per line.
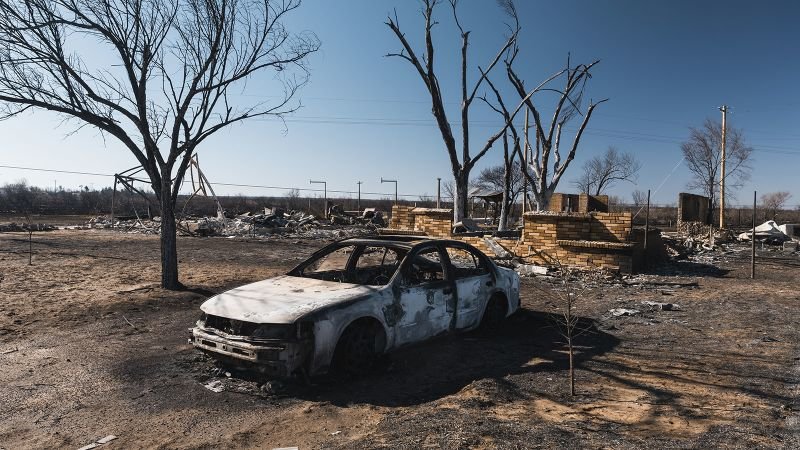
<point x="664" y="66"/>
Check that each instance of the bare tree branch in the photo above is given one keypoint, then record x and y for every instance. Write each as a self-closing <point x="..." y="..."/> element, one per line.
<point x="169" y="88"/>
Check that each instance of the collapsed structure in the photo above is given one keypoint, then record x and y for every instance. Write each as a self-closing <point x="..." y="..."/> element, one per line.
<point x="579" y="232"/>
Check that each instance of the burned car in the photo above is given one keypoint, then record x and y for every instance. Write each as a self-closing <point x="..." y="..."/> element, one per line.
<point x="353" y="301"/>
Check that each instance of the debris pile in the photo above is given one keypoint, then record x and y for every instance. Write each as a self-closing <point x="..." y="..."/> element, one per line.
<point x="17" y="227"/>
<point x="370" y="216"/>
<point x="769" y="232"/>
<point x="272" y="222"/>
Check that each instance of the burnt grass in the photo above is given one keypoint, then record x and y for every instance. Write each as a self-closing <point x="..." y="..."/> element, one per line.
<point x="90" y="346"/>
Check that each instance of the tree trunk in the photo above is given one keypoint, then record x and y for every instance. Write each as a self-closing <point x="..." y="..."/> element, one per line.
<point x="571" y="370"/>
<point x="503" y="222"/>
<point x="461" y="200"/>
<point x="506" y="206"/>
<point x="542" y="200"/>
<point x="508" y="166"/>
<point x="169" y="249"/>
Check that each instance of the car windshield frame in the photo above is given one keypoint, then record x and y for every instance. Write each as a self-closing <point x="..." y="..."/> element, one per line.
<point x="350" y="266"/>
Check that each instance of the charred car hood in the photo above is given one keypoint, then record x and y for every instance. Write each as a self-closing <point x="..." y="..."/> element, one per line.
<point x="282" y="299"/>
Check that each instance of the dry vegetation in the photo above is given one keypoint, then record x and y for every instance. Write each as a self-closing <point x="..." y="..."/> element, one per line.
<point x="90" y="346"/>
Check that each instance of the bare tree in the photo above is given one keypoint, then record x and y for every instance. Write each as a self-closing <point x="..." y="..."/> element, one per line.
<point x="775" y="201"/>
<point x="568" y="322"/>
<point x="548" y="136"/>
<point x="510" y="170"/>
<point x="506" y="177"/>
<point x="703" y="156"/>
<point x="19" y="197"/>
<point x="424" y="65"/>
<point x="25" y="200"/>
<point x="493" y="178"/>
<point x="176" y="67"/>
<point x="601" y="172"/>
<point x="449" y="189"/>
<point x="639" y="197"/>
<point x="293" y="199"/>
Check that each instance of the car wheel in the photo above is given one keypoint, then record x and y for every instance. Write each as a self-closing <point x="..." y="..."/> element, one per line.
<point x="359" y="348"/>
<point x="495" y="313"/>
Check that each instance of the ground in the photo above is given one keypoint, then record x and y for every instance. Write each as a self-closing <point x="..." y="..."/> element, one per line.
<point x="90" y="346"/>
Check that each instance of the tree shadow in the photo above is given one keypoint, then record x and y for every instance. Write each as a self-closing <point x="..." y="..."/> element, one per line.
<point x="529" y="342"/>
<point x="685" y="268"/>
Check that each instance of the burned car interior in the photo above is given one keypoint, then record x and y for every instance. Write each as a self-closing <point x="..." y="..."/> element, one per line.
<point x="375" y="265"/>
<point x="356" y="264"/>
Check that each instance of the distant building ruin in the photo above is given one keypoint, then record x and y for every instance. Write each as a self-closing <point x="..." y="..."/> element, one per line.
<point x="581" y="203"/>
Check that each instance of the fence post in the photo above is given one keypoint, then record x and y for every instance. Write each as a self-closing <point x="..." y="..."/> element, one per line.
<point x="753" y="241"/>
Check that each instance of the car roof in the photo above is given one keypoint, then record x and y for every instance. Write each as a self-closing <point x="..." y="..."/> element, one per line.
<point x="404" y="241"/>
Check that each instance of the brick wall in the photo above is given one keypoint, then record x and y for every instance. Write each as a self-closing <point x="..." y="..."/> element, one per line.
<point x="579" y="203"/>
<point x="584" y="240"/>
<point x="692" y="208"/>
<point x="433" y="222"/>
<point x="579" y="239"/>
<point x="589" y="203"/>
<point x="401" y="218"/>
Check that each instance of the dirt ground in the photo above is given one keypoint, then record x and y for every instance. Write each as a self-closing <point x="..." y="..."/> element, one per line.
<point x="90" y="347"/>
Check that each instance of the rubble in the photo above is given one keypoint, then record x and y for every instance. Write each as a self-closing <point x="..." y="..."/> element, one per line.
<point x="617" y="312"/>
<point x="527" y="270"/>
<point x="662" y="306"/>
<point x="338" y="216"/>
<point x="272" y="222"/>
<point x="19" y="227"/>
<point x="768" y="232"/>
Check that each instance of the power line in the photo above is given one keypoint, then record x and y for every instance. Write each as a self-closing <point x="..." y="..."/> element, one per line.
<point x="602" y="132"/>
<point x="73" y="172"/>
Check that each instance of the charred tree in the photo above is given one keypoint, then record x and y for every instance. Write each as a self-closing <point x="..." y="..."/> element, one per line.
<point x="544" y="174"/>
<point x="462" y="165"/>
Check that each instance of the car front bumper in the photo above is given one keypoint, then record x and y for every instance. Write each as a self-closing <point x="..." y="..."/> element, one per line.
<point x="280" y="359"/>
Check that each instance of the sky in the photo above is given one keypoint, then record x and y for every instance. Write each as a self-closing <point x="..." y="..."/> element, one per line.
<point x="664" y="66"/>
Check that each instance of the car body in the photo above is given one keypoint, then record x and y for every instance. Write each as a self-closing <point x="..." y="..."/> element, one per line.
<point x="355" y="299"/>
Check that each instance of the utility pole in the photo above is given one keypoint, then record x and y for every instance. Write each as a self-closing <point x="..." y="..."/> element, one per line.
<point x="724" y="110"/>
<point x="395" y="187"/>
<point x="359" y="196"/>
<point x="325" y="190"/>
<point x="438" y="192"/>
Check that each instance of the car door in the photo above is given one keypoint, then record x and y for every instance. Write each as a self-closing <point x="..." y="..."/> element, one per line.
<point x="426" y="297"/>
<point x="473" y="282"/>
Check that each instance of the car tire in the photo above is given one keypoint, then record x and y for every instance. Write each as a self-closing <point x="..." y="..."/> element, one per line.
<point x="359" y="348"/>
<point x="495" y="313"/>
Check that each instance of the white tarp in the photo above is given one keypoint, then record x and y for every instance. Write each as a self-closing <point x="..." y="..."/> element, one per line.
<point x="767" y="230"/>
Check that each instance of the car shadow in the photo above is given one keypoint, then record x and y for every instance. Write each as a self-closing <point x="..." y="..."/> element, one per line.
<point x="529" y="342"/>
